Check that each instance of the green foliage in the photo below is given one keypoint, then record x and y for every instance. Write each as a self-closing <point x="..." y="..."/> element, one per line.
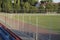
<point x="33" y="9"/>
<point x="58" y="8"/>
<point x="49" y="7"/>
<point x="32" y="2"/>
<point x="8" y="5"/>
<point x="0" y="5"/>
<point x="42" y="9"/>
<point x="26" y="7"/>
<point x="49" y="0"/>
<point x="16" y="5"/>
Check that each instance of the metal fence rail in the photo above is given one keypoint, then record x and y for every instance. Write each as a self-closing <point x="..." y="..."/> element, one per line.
<point x="6" y="34"/>
<point x="31" y="11"/>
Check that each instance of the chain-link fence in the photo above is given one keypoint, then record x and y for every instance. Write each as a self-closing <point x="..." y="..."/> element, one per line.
<point x="44" y="24"/>
<point x="33" y="26"/>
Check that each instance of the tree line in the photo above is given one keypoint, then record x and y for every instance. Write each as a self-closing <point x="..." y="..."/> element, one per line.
<point x="28" y="6"/>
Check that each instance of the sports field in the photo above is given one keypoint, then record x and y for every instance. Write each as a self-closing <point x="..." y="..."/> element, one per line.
<point x="44" y="21"/>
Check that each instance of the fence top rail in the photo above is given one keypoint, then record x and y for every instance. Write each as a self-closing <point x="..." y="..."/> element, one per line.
<point x="1" y="13"/>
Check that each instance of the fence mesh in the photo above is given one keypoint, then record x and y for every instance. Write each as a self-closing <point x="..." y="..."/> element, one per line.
<point x="34" y="23"/>
<point x="32" y="26"/>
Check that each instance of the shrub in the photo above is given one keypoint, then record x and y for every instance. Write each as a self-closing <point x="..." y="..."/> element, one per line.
<point x="58" y="11"/>
<point x="33" y="9"/>
<point x="26" y="7"/>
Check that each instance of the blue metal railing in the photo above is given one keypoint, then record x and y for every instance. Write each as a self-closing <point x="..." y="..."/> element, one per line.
<point x="5" y="35"/>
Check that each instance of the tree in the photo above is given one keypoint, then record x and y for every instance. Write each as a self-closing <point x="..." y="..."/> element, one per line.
<point x="8" y="6"/>
<point x="42" y="9"/>
<point x="0" y="5"/>
<point x="32" y="2"/>
<point x="49" y="7"/>
<point x="16" y="5"/>
<point x="55" y="7"/>
<point x="47" y="0"/>
<point x="58" y="11"/>
<point x="26" y="7"/>
<point x="33" y="9"/>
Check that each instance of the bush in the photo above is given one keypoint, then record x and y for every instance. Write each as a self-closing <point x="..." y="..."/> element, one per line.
<point x="7" y="6"/>
<point x="33" y="9"/>
<point x="58" y="11"/>
<point x="16" y="6"/>
<point x="26" y="7"/>
<point x="32" y="2"/>
<point x="51" y="7"/>
<point x="42" y="9"/>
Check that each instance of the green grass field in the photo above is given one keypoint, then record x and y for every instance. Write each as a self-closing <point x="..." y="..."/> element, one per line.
<point x="44" y="21"/>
